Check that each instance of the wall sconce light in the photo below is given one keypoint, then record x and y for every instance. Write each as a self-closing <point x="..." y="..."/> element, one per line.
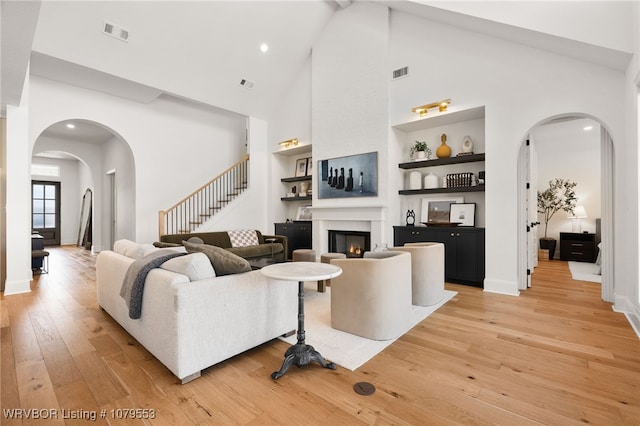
<point x="288" y="143"/>
<point x="442" y="106"/>
<point x="579" y="213"/>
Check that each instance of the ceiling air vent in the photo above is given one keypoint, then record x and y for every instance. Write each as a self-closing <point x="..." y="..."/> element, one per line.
<point x="247" y="83"/>
<point x="400" y="73"/>
<point x="115" y="31"/>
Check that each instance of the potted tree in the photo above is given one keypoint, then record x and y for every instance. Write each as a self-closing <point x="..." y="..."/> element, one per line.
<point x="558" y="196"/>
<point x="420" y="150"/>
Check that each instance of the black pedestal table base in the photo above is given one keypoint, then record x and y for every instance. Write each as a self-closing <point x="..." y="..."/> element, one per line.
<point x="301" y="354"/>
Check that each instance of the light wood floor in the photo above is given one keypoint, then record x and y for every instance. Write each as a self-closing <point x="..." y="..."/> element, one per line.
<point x="556" y="355"/>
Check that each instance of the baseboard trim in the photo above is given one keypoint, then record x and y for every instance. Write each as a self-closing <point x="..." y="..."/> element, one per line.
<point x="624" y="305"/>
<point x="509" y="288"/>
<point x="17" y="287"/>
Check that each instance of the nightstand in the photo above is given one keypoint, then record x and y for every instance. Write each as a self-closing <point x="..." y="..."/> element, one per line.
<point x="580" y="247"/>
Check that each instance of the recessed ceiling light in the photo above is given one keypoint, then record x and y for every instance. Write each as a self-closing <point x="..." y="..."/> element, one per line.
<point x="71" y="126"/>
<point x="587" y="128"/>
<point x="264" y="47"/>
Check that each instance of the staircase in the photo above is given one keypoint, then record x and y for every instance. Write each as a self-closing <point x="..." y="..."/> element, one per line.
<point x="205" y="202"/>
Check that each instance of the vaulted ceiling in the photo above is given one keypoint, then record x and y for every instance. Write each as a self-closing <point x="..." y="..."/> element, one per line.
<point x="201" y="50"/>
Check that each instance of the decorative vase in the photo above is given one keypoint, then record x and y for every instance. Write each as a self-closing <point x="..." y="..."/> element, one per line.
<point x="443" y="150"/>
<point x="430" y="181"/>
<point x="467" y="145"/>
<point x="415" y="180"/>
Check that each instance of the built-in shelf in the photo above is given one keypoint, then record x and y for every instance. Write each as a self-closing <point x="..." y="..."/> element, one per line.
<point x="441" y="119"/>
<point x="478" y="188"/>
<point x="294" y="150"/>
<point x="296" y="179"/>
<point x="305" y="198"/>
<point x="442" y="161"/>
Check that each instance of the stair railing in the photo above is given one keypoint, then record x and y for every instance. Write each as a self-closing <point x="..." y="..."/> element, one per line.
<point x="206" y="201"/>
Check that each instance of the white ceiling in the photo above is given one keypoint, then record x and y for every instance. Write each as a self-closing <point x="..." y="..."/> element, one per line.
<point x="200" y="50"/>
<point x="195" y="50"/>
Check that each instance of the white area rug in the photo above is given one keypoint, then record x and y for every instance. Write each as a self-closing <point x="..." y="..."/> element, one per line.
<point x="584" y="271"/>
<point x="345" y="349"/>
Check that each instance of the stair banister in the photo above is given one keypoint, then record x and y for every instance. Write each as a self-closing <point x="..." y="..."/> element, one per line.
<point x="204" y="202"/>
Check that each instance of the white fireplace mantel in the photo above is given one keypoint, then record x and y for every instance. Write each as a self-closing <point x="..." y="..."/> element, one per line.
<point x="347" y="218"/>
<point x="359" y="213"/>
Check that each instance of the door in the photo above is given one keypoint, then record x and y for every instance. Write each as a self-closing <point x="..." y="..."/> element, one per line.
<point x="45" y="211"/>
<point x="532" y="208"/>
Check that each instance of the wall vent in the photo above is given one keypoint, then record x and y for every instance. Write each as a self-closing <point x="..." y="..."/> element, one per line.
<point x="116" y="31"/>
<point x="247" y="83"/>
<point x="400" y="73"/>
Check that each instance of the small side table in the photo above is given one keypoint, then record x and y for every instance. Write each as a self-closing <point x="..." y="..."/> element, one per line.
<point x="301" y="353"/>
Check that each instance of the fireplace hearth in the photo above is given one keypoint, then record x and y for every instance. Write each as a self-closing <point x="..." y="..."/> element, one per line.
<point x="351" y="243"/>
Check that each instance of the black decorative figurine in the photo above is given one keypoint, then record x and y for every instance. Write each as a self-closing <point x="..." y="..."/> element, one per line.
<point x="411" y="218"/>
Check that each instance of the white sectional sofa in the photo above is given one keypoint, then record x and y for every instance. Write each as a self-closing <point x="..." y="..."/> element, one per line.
<point x="191" y="324"/>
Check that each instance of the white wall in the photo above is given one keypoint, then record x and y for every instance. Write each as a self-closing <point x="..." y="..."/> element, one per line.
<point x="519" y="86"/>
<point x="350" y="100"/>
<point x="177" y="146"/>
<point x="18" y="206"/>
<point x="69" y="198"/>
<point x="291" y="118"/>
<point x="117" y="155"/>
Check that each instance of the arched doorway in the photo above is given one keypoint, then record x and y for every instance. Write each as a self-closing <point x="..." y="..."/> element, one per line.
<point x="527" y="191"/>
<point x="100" y="153"/>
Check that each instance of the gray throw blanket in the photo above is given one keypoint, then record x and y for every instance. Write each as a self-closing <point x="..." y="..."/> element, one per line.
<point x="133" y="285"/>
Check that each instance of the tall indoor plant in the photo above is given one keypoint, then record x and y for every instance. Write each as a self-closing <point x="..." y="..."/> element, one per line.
<point x="558" y="196"/>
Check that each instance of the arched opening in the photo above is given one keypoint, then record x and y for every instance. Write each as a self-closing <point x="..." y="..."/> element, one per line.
<point x="571" y="155"/>
<point x="92" y="157"/>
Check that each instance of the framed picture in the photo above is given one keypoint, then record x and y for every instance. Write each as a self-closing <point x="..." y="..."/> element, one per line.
<point x="301" y="167"/>
<point x="304" y="213"/>
<point x="309" y="167"/>
<point x="350" y="176"/>
<point x="438" y="210"/>
<point x="463" y="213"/>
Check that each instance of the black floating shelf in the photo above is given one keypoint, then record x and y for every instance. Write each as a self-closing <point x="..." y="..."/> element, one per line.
<point x="442" y="161"/>
<point x="308" y="197"/>
<point x="479" y="188"/>
<point x="295" y="179"/>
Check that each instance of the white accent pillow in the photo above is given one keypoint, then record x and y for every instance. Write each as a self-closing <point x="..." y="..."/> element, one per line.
<point x="132" y="249"/>
<point x="196" y="266"/>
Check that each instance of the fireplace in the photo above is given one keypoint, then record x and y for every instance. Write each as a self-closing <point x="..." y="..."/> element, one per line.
<point x="351" y="243"/>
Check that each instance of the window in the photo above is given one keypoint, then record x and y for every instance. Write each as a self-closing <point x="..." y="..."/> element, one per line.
<point x="44" y="205"/>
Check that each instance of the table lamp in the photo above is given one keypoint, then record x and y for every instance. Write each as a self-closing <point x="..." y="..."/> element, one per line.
<point x="579" y="213"/>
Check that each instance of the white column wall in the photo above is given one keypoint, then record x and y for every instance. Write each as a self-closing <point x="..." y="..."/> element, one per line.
<point x="18" y="209"/>
<point x="350" y="98"/>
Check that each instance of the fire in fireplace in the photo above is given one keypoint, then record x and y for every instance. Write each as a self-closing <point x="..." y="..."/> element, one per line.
<point x="351" y="243"/>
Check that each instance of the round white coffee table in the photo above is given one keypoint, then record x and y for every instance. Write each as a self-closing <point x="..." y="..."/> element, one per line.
<point x="301" y="353"/>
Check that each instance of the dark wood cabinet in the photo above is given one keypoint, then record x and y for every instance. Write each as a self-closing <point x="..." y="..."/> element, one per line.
<point x="299" y="235"/>
<point x="580" y="247"/>
<point x="464" y="249"/>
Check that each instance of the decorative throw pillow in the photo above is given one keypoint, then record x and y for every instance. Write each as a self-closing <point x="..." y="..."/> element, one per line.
<point x="223" y="262"/>
<point x="132" y="249"/>
<point x="243" y="238"/>
<point x="195" y="265"/>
